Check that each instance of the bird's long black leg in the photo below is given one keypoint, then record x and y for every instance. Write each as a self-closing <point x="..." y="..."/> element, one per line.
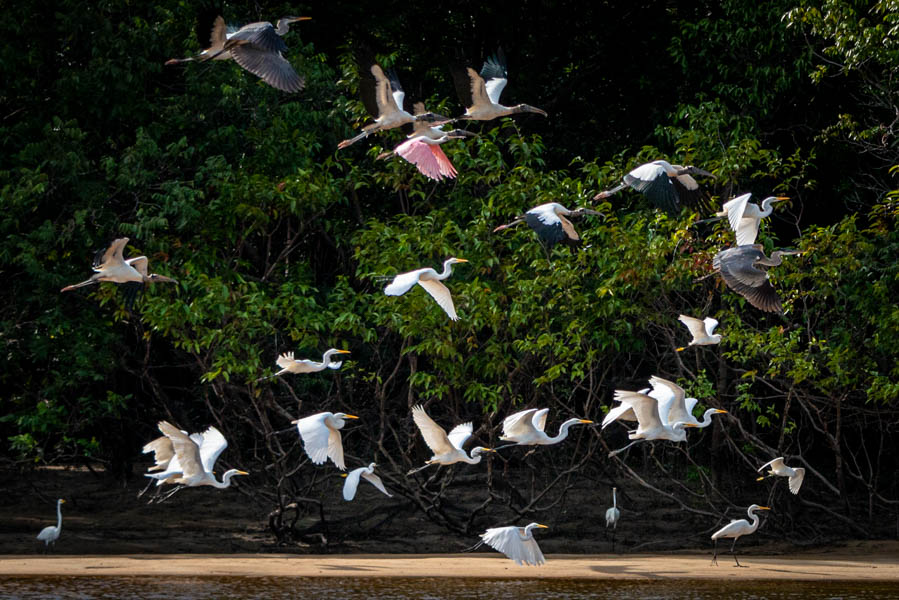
<point x="144" y="491"/>
<point x="734" y="552"/>
<point x="715" y="555"/>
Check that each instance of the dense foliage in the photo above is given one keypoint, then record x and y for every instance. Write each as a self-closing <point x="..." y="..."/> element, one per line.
<point x="281" y="243"/>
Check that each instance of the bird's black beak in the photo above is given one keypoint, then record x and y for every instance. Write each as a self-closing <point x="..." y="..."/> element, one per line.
<point x="533" y="109"/>
<point x="460" y="134"/>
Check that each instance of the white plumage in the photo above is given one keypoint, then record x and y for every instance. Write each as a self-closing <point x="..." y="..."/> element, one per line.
<point x="736" y="529"/>
<point x="430" y="280"/>
<point x="517" y="543"/>
<point x="526" y="428"/>
<point x="778" y="468"/>
<point x="612" y="514"/>
<point x="321" y="437"/>
<point x="744" y="217"/>
<point x="50" y="534"/>
<point x="448" y="449"/>
<point x="700" y="330"/>
<point x="191" y="458"/>
<point x="367" y="473"/>
<point x="290" y="365"/>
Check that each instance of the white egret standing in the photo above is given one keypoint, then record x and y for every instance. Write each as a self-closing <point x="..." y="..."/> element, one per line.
<point x="778" y="468"/>
<point x="612" y="515"/>
<point x="549" y="221"/>
<point x="667" y="186"/>
<point x="289" y="365"/>
<point x="525" y="428"/>
<point x="430" y="280"/>
<point x="257" y="48"/>
<point x="744" y="217"/>
<point x="481" y="98"/>
<point x="50" y="534"/>
<point x="447" y="449"/>
<point x="517" y="543"/>
<point x="736" y="529"/>
<point x="366" y="473"/>
<point x="700" y="330"/>
<point x="738" y="268"/>
<point x="321" y="436"/>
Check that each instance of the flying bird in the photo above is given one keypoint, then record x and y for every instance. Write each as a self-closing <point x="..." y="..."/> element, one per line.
<point x="525" y="428"/>
<point x="321" y="436"/>
<point x="736" y="529"/>
<point x="430" y="280"/>
<point x="257" y="48"/>
<point x="50" y="534"/>
<point x="383" y="97"/>
<point x="480" y="93"/>
<point x="447" y="449"/>
<point x="667" y="186"/>
<point x="290" y="365"/>
<point x="550" y="222"/>
<point x="700" y="330"/>
<point x="366" y="473"/>
<point x="778" y="468"/>
<point x="739" y="268"/>
<point x="744" y="217"/>
<point x="674" y="406"/>
<point x="517" y="543"/>
<point x="650" y="425"/>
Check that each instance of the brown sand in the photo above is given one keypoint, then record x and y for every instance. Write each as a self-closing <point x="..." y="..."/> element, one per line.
<point x="846" y="564"/>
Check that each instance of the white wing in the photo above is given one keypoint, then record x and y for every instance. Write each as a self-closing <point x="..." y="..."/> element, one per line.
<point x="162" y="450"/>
<point x="508" y="540"/>
<point x="546" y="213"/>
<point x="441" y="294"/>
<point x="646" y="408"/>
<point x="624" y="412"/>
<point x="285" y="361"/>
<point x="376" y="481"/>
<point x="185" y="448"/>
<point x="519" y="424"/>
<point x="691" y="404"/>
<point x="539" y="419"/>
<point x="351" y="483"/>
<point x="213" y="445"/>
<point x="434" y="435"/>
<point x="710" y="325"/>
<point x="648" y="172"/>
<point x="139" y="264"/>
<point x="315" y="436"/>
<point x="796" y="479"/>
<point x="697" y="328"/>
<point x="747" y="230"/>
<point x="775" y="464"/>
<point x="335" y="448"/>
<point x="495" y="87"/>
<point x="460" y="434"/>
<point x="677" y="412"/>
<point x="734" y="210"/>
<point x="403" y="282"/>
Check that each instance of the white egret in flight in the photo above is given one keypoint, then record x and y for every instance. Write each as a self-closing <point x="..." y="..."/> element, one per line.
<point x="517" y="543"/>
<point x="526" y="428"/>
<point x="744" y="217"/>
<point x="321" y="436"/>
<point x="383" y="97"/>
<point x="700" y="330"/>
<point x="674" y="406"/>
<point x="650" y="426"/>
<point x="257" y="48"/>
<point x="447" y="449"/>
<point x="667" y="186"/>
<point x="290" y="365"/>
<point x="550" y="222"/>
<point x="50" y="534"/>
<point x="366" y="473"/>
<point x="430" y="280"/>
<point x="739" y="269"/>
<point x="736" y="529"/>
<point x="778" y="468"/>
<point x="480" y="93"/>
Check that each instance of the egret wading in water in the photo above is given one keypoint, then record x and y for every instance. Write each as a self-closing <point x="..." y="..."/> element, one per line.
<point x="366" y="473"/>
<point x="667" y="186"/>
<point x="737" y="529"/>
<point x="50" y="534"/>
<point x="289" y="365"/>
<point x="745" y="217"/>
<point x="430" y="280"/>
<point x="526" y="428"/>
<point x="779" y="469"/>
<point x="479" y="92"/>
<point x="701" y="331"/>
<point x="257" y="48"/>
<point x="550" y="222"/>
<point x="321" y="437"/>
<point x="517" y="543"/>
<point x="612" y="515"/>
<point x="383" y="97"/>
<point x="739" y="269"/>
<point x="447" y="449"/>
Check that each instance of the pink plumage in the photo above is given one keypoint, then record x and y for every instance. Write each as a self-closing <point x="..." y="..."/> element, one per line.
<point x="428" y="158"/>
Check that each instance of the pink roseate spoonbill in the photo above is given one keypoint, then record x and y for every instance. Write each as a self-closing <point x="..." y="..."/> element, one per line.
<point x="517" y="543"/>
<point x="700" y="330"/>
<point x="480" y="93"/>
<point x="431" y="281"/>
<point x="321" y="436"/>
<point x="289" y="364"/>
<point x="737" y="529"/>
<point x="744" y="217"/>
<point x="739" y="269"/>
<point x="550" y="222"/>
<point x="366" y="473"/>
<point x="664" y="184"/>
<point x="383" y="97"/>
<point x="50" y="534"/>
<point x="257" y="48"/>
<point x="779" y="469"/>
<point x="526" y="428"/>
<point x="448" y="449"/>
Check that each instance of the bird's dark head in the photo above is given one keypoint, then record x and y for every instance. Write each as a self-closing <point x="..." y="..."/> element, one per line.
<point x="155" y="278"/>
<point x="697" y="171"/>
<point x="527" y="108"/>
<point x="458" y="134"/>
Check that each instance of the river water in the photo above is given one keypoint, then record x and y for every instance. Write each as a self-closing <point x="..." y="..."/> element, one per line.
<point x="275" y="588"/>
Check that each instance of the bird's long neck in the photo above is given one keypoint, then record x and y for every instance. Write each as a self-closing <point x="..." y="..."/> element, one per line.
<point x="59" y="516"/>
<point x="767" y="208"/>
<point x="707" y="418"/>
<point x="283" y="26"/>
<point x="755" y="521"/>
<point x="448" y="270"/>
<point x="563" y="431"/>
<point x="326" y="357"/>
<point x="225" y="482"/>
<point x="614" y="499"/>
<point x="474" y="458"/>
<point x="773" y="261"/>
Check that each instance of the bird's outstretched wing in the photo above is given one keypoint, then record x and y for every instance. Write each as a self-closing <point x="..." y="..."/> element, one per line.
<point x="677" y="410"/>
<point x="186" y="449"/>
<point x="214" y="443"/>
<point x="646" y="408"/>
<point x="386" y="101"/>
<point x="652" y="181"/>
<point x="315" y="435"/>
<point x="429" y="159"/>
<point x="139" y="263"/>
<point x="460" y="434"/>
<point x="112" y="254"/>
<point x="495" y="75"/>
<point x="335" y="448"/>
<point x="696" y="327"/>
<point x="270" y="66"/>
<point x="352" y="483"/>
<point x="285" y="361"/>
<point x="796" y="480"/>
<point x="519" y="424"/>
<point x="539" y="419"/>
<point x="509" y="541"/>
<point x="776" y="463"/>
<point x="737" y="267"/>
<point x="441" y="294"/>
<point x="376" y="481"/>
<point x="403" y="282"/>
<point x="434" y="435"/>
<point x="162" y="450"/>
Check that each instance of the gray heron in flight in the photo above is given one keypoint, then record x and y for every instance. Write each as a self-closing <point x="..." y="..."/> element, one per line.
<point x="479" y="92"/>
<point x="550" y="222"/>
<point x="744" y="217"/>
<point x="739" y="269"/>
<point x="383" y="97"/>
<point x="777" y="468"/>
<point x="737" y="529"/>
<point x="431" y="281"/>
<point x="667" y="186"/>
<point x="526" y="428"/>
<point x="701" y="330"/>
<point x="289" y="364"/>
<point x="257" y="48"/>
<point x="448" y="448"/>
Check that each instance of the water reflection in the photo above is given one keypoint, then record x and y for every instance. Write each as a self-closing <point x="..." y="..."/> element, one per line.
<point x="275" y="588"/>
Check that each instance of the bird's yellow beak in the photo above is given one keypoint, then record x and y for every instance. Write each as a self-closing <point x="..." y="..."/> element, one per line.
<point x="782" y="198"/>
<point x="542" y="526"/>
<point x="764" y="508"/>
<point x="585" y="421"/>
<point x="62" y="501"/>
<point x="461" y="260"/>
<point x="343" y="352"/>
<point x="303" y="19"/>
<point x="691" y="425"/>
<point x="720" y="412"/>
<point x="759" y="478"/>
<point x="681" y="349"/>
<point x="483" y="449"/>
<point x="350" y="417"/>
<point x="242" y="473"/>
<point x="343" y="474"/>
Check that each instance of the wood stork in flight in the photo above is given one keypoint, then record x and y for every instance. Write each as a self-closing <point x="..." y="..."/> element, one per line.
<point x="739" y="269"/>
<point x="430" y="280"/>
<point x="744" y="217"/>
<point x="480" y="93"/>
<point x="700" y="330"/>
<point x="448" y="449"/>
<point x="257" y="48"/>
<point x="550" y="222"/>
<point x="383" y="97"/>
<point x="667" y="186"/>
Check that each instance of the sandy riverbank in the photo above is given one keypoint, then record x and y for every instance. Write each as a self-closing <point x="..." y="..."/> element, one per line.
<point x="853" y="563"/>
